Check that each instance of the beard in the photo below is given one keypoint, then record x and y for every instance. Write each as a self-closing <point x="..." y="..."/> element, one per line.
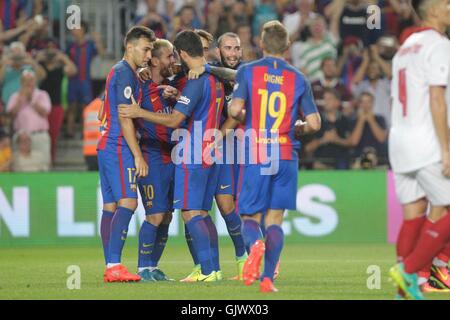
<point x="225" y="64"/>
<point x="166" y="72"/>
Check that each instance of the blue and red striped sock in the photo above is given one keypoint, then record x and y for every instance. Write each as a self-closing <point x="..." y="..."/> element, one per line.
<point x="147" y="236"/>
<point x="160" y="243"/>
<point x="274" y="245"/>
<point x="213" y="242"/>
<point x="190" y="244"/>
<point x="234" y="226"/>
<point x="105" y="232"/>
<point x="119" y="232"/>
<point x="251" y="232"/>
<point x="201" y="242"/>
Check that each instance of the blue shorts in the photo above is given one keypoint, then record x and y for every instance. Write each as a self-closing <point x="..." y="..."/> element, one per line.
<point x="226" y="183"/>
<point x="117" y="177"/>
<point x="80" y="91"/>
<point x="258" y="193"/>
<point x="195" y="187"/>
<point x="157" y="188"/>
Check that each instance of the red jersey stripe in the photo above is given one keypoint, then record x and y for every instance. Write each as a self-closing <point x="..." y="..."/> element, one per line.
<point x="288" y="88"/>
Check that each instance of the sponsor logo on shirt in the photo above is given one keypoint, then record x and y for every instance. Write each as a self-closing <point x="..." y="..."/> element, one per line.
<point x="184" y="100"/>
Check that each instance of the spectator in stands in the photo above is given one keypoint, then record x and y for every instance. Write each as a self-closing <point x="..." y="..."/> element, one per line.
<point x="330" y="146"/>
<point x="10" y="12"/>
<point x="297" y="23"/>
<point x="239" y="13"/>
<point x="351" y="19"/>
<point x="91" y="133"/>
<point x="249" y="50"/>
<point x="81" y="52"/>
<point x="56" y="64"/>
<point x="5" y="152"/>
<point x="369" y="129"/>
<point x="25" y="158"/>
<point x="8" y="35"/>
<point x="350" y="60"/>
<point x="307" y="56"/>
<point x="265" y="11"/>
<point x="377" y="82"/>
<point x="330" y="79"/>
<point x="154" y="20"/>
<point x="14" y="62"/>
<point x="29" y="109"/>
<point x="185" y="20"/>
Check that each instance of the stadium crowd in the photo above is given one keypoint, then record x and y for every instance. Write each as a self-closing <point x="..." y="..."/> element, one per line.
<point x="44" y="90"/>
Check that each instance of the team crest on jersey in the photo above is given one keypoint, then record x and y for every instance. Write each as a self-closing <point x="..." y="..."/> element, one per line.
<point x="127" y="92"/>
<point x="184" y="100"/>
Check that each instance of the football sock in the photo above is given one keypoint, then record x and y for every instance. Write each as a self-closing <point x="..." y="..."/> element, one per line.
<point x="160" y="243"/>
<point x="408" y="236"/>
<point x="433" y="238"/>
<point x="251" y="232"/>
<point x="443" y="257"/>
<point x="147" y="236"/>
<point x="234" y="226"/>
<point x="190" y="245"/>
<point x="201" y="242"/>
<point x="214" y="242"/>
<point x="105" y="230"/>
<point x="274" y="245"/>
<point x="119" y="231"/>
<point x="424" y="274"/>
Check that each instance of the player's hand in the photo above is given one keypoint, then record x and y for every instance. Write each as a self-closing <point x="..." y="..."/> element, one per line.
<point x="141" y="167"/>
<point x="195" y="73"/>
<point x="144" y="74"/>
<point x="169" y="92"/>
<point x="446" y="163"/>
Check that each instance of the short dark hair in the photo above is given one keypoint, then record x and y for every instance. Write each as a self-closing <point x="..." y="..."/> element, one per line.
<point x="324" y="60"/>
<point x="205" y="35"/>
<point x="368" y="94"/>
<point x="84" y="25"/>
<point x="190" y="42"/>
<point x="138" y="32"/>
<point x="227" y="35"/>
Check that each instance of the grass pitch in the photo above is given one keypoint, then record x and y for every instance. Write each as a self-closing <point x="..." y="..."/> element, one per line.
<point x="308" y="271"/>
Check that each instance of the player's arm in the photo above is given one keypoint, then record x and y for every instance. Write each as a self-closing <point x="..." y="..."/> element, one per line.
<point x="222" y="73"/>
<point x="129" y="133"/>
<point x="439" y="113"/>
<point x="308" y="107"/>
<point x="133" y="111"/>
<point x="437" y="69"/>
<point x="228" y="125"/>
<point x="236" y="109"/>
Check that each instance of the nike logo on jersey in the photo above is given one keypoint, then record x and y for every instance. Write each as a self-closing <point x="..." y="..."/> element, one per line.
<point x="176" y="201"/>
<point x="222" y="187"/>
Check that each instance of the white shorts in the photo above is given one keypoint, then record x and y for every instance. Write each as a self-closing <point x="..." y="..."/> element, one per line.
<point x="428" y="182"/>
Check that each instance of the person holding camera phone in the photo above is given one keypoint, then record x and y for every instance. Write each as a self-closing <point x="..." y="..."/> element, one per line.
<point x="56" y="64"/>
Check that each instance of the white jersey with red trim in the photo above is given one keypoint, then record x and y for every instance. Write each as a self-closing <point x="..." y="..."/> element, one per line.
<point x="422" y="61"/>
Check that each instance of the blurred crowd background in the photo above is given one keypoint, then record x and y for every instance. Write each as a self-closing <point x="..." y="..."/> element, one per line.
<point x="51" y="77"/>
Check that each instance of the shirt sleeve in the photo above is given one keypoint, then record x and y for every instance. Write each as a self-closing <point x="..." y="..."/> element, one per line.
<point x="123" y="88"/>
<point x="240" y="87"/>
<point x="307" y="104"/>
<point x="44" y="101"/>
<point x="190" y="97"/>
<point x="438" y="64"/>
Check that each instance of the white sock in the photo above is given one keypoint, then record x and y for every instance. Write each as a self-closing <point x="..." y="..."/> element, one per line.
<point x="151" y="269"/>
<point x="110" y="265"/>
<point x="422" y="281"/>
<point x="439" y="263"/>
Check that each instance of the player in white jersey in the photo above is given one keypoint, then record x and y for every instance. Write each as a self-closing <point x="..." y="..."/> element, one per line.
<point x="419" y="143"/>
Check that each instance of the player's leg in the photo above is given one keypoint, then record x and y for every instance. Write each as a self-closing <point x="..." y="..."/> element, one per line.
<point x="283" y="197"/>
<point x="109" y="205"/>
<point x="162" y="236"/>
<point x="189" y="195"/>
<point x="121" y="173"/>
<point x="225" y="201"/>
<point x="154" y="190"/>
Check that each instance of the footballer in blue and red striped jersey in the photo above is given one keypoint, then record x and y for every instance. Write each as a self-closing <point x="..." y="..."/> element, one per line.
<point x="116" y="162"/>
<point x="202" y="103"/>
<point x="120" y="159"/>
<point x="267" y="96"/>
<point x="273" y="91"/>
<point x="156" y="146"/>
